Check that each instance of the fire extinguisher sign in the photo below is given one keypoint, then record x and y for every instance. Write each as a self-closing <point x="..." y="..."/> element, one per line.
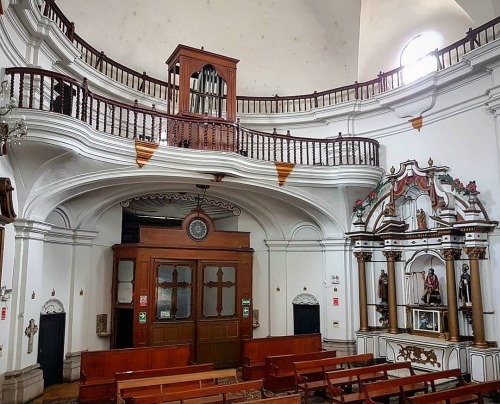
<point x="335" y="301"/>
<point x="4" y="313"/>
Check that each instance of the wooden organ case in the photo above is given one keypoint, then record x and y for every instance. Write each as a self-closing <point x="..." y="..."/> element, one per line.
<point x="201" y="83"/>
<point x="185" y="285"/>
<point x="201" y="91"/>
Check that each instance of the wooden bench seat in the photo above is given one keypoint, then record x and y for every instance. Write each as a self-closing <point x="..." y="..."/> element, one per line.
<point x="280" y="371"/>
<point x="98" y="368"/>
<point x="404" y="387"/>
<point x="221" y="393"/>
<point x="468" y="393"/>
<point x="340" y="382"/>
<point x="310" y="375"/>
<point x="255" y="350"/>
<point x="126" y="389"/>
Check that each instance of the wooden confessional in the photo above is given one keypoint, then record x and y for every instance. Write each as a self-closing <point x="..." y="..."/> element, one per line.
<point x="185" y="285"/>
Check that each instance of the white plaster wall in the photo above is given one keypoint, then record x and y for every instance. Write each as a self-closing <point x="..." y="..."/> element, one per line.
<point x="97" y="288"/>
<point x="385" y="32"/>
<point x="301" y="46"/>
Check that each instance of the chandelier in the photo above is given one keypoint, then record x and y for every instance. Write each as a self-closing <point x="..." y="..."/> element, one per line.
<point x="15" y="132"/>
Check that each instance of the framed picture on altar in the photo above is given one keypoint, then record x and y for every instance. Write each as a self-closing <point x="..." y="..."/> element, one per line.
<point x="427" y="321"/>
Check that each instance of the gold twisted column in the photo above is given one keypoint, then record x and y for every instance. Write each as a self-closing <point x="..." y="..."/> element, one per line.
<point x="450" y="255"/>
<point x="474" y="254"/>
<point x="391" y="257"/>
<point x="362" y="257"/>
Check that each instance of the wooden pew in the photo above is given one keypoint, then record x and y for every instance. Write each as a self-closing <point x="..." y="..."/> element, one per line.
<point x="407" y="386"/>
<point x="221" y="393"/>
<point x="339" y="383"/>
<point x="126" y="389"/>
<point x="177" y="370"/>
<point x="310" y="375"/>
<point x="468" y="393"/>
<point x="280" y="372"/>
<point x="255" y="350"/>
<point x="98" y="368"/>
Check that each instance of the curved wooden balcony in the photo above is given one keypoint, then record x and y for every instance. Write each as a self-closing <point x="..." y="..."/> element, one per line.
<point x="385" y="81"/>
<point x="49" y="91"/>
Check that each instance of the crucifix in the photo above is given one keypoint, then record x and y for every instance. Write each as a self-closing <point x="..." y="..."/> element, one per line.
<point x="219" y="284"/>
<point x="30" y="331"/>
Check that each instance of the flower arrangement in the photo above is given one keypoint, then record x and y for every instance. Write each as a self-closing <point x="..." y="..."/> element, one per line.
<point x="458" y="186"/>
<point x="361" y="205"/>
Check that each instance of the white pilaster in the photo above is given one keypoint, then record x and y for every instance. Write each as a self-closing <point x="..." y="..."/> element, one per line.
<point x="278" y="293"/>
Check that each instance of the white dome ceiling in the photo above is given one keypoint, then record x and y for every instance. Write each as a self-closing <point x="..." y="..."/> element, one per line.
<point x="285" y="47"/>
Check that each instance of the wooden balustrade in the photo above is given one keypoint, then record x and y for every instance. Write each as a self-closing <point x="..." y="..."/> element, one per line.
<point x="385" y="81"/>
<point x="49" y="91"/>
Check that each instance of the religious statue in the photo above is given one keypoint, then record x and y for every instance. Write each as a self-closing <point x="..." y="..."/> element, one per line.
<point x="421" y="225"/>
<point x="383" y="282"/>
<point x="431" y="289"/>
<point x="464" y="286"/>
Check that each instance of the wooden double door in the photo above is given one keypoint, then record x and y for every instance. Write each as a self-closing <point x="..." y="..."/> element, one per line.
<point x="179" y="295"/>
<point x="196" y="302"/>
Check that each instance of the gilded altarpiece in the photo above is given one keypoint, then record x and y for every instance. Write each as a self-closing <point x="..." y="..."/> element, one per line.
<point x="426" y="236"/>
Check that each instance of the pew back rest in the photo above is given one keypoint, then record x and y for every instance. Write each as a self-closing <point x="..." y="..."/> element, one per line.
<point x="337" y="377"/>
<point x="370" y="389"/>
<point x="304" y="368"/>
<point x="478" y="389"/>
<point x="201" y="392"/>
<point x="105" y="364"/>
<point x="284" y="364"/>
<point x="255" y="350"/>
<point x="177" y="370"/>
<point x="192" y="380"/>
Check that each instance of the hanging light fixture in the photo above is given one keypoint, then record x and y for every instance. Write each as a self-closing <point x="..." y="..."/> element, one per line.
<point x="14" y="133"/>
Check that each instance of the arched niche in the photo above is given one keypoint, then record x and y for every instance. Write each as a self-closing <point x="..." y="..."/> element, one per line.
<point x="416" y="270"/>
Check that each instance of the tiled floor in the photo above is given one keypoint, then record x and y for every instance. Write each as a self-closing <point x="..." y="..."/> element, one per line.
<point x="58" y="393"/>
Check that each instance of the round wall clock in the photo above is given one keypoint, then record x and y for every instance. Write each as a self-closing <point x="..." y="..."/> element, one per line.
<point x="197" y="229"/>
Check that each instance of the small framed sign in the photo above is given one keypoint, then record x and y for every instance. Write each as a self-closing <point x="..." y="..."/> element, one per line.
<point x="245" y="302"/>
<point x="142" y="317"/>
<point x="143" y="300"/>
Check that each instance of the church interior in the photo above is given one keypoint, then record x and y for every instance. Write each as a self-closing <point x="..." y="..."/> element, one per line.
<point x="212" y="176"/>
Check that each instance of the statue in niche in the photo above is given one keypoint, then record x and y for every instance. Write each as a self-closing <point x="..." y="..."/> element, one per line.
<point x="421" y="225"/>
<point x="464" y="287"/>
<point x="431" y="289"/>
<point x="383" y="282"/>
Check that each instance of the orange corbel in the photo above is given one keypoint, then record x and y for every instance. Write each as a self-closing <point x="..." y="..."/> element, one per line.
<point x="144" y="151"/>
<point x="284" y="170"/>
<point x="417" y="122"/>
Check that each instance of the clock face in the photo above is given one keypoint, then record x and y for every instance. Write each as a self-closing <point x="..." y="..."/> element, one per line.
<point x="198" y="229"/>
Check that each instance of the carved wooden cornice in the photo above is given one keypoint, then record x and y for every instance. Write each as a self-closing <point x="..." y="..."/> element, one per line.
<point x="7" y="214"/>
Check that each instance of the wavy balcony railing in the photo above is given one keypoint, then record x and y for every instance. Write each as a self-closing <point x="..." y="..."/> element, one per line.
<point x="49" y="91"/>
<point x="385" y="81"/>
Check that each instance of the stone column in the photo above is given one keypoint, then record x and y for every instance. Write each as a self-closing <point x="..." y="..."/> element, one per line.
<point x="476" y="295"/>
<point x="362" y="257"/>
<point x="391" y="257"/>
<point x="450" y="255"/>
